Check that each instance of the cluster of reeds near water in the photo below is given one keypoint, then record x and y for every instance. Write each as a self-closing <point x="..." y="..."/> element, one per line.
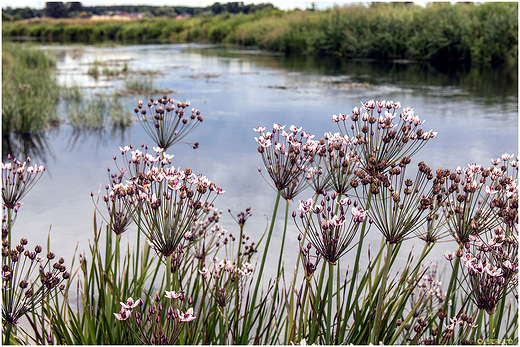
<point x="480" y="33"/>
<point x="197" y="283"/>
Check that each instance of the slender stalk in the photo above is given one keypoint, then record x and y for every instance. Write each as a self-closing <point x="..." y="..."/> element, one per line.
<point x="451" y="287"/>
<point x="358" y="254"/>
<point x="491" y="325"/>
<point x="251" y="312"/>
<point x="169" y="273"/>
<point x="9" y="227"/>
<point x="278" y="273"/>
<point x="7" y="335"/>
<point x="328" y="332"/>
<point x="381" y="296"/>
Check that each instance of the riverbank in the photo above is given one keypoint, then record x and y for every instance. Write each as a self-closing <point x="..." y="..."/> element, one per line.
<point x="485" y="33"/>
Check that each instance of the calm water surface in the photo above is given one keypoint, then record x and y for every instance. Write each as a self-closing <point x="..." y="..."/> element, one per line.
<point x="474" y="111"/>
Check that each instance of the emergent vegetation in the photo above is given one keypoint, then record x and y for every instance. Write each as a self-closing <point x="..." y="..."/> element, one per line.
<point x="480" y="33"/>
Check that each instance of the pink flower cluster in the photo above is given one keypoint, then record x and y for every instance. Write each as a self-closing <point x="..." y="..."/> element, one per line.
<point x="329" y="232"/>
<point x="17" y="179"/>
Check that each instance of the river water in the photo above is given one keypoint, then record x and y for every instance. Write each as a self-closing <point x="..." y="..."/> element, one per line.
<point x="474" y="111"/>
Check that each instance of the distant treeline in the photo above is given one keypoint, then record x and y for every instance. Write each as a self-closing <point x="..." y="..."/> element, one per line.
<point x="75" y="9"/>
<point x="477" y="33"/>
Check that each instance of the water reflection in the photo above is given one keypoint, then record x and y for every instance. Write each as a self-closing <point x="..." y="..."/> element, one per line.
<point x="37" y="147"/>
<point x="102" y="136"/>
<point x="493" y="86"/>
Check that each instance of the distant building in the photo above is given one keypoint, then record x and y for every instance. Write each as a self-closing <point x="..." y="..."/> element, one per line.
<point x="183" y="15"/>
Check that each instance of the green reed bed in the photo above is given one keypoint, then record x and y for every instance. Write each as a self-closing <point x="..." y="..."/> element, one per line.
<point x="183" y="279"/>
<point x="480" y="33"/>
<point x="30" y="91"/>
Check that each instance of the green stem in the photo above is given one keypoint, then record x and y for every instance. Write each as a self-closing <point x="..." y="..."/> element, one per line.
<point x="283" y="240"/>
<point x="453" y="279"/>
<point x="169" y="273"/>
<point x="9" y="226"/>
<point x="358" y="255"/>
<point x="251" y="312"/>
<point x="491" y="323"/>
<point x="278" y="273"/>
<point x="328" y="331"/>
<point x="381" y="296"/>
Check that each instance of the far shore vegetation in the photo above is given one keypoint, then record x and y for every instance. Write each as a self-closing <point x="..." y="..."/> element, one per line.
<point x="477" y="33"/>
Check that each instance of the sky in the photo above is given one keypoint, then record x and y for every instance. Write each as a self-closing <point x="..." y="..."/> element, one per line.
<point x="282" y="4"/>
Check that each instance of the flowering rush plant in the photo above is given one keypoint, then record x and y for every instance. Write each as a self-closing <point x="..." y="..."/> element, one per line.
<point x="490" y="264"/>
<point x="479" y="199"/>
<point x="169" y="201"/>
<point x="152" y="327"/>
<point x="226" y="280"/>
<point x="166" y="122"/>
<point x="17" y="179"/>
<point x="399" y="204"/>
<point x="282" y="154"/>
<point x="328" y="226"/>
<point x="379" y="139"/>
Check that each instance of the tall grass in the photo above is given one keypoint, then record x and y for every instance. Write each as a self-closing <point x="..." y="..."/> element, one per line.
<point x="30" y="91"/>
<point x="480" y="33"/>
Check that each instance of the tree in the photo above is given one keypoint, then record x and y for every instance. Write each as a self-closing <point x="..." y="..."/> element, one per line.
<point x="74" y="6"/>
<point x="55" y="10"/>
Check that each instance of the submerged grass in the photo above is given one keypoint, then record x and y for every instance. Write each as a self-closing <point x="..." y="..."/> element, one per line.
<point x="97" y="111"/>
<point x="480" y="33"/>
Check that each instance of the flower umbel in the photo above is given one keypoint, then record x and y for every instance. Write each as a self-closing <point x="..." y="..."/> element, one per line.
<point x="380" y="141"/>
<point x="284" y="160"/>
<point x="157" y="326"/>
<point x="328" y="231"/>
<point x="17" y="180"/>
<point x="167" y="122"/>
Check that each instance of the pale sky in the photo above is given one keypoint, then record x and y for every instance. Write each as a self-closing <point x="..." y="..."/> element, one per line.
<point x="282" y="4"/>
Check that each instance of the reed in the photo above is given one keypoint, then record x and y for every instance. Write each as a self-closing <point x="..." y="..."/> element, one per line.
<point x="478" y="33"/>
